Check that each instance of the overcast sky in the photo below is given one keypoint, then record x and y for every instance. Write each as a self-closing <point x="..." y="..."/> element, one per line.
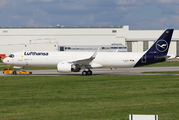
<point x="138" y="14"/>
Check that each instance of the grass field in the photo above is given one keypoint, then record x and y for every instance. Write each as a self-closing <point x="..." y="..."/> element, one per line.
<point x="88" y="97"/>
<point x="163" y="64"/>
<point x="164" y="72"/>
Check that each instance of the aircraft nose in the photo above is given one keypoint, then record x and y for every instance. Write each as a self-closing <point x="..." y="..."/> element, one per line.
<point x="5" y="60"/>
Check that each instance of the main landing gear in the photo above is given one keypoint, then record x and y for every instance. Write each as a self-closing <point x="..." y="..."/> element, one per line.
<point x="89" y="72"/>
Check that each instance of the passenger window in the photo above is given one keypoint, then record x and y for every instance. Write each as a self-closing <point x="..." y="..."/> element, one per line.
<point x="11" y="55"/>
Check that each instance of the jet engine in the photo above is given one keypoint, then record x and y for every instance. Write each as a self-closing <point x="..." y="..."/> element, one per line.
<point x="67" y="67"/>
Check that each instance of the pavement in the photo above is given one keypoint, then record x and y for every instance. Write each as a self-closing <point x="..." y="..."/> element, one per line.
<point x="119" y="71"/>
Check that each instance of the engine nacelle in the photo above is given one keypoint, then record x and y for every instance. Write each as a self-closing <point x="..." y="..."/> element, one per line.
<point x="67" y="67"/>
<point x="64" y="67"/>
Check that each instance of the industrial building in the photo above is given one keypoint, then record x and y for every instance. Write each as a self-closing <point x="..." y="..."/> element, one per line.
<point x="66" y="39"/>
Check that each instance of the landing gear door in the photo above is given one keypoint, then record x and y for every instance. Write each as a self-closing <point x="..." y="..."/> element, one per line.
<point x="20" y="56"/>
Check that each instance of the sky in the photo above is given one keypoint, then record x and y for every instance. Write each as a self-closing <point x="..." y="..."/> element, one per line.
<point x="138" y="14"/>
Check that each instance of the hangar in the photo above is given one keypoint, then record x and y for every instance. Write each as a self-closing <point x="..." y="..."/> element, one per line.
<point x="81" y="38"/>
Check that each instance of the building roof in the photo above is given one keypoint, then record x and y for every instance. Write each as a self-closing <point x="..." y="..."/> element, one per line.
<point x="58" y="27"/>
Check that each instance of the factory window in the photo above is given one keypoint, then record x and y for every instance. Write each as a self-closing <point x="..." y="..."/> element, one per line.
<point x="122" y="47"/>
<point x="117" y="48"/>
<point x="67" y="48"/>
<point x="5" y="31"/>
<point x="114" y="31"/>
<point x="61" y="48"/>
<point x="129" y="46"/>
<point x="177" y="48"/>
<point x="114" y="47"/>
<point x="145" y="45"/>
<point x="105" y="47"/>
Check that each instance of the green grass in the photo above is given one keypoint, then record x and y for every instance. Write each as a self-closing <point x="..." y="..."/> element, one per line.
<point x="164" y="64"/>
<point x="88" y="97"/>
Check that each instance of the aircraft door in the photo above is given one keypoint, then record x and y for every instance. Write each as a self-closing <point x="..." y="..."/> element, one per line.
<point x="20" y="56"/>
<point x="105" y="58"/>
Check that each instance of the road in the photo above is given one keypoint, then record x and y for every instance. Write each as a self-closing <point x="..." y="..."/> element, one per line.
<point x="119" y="71"/>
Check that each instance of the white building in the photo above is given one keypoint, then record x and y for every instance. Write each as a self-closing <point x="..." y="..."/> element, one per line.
<point x="52" y="38"/>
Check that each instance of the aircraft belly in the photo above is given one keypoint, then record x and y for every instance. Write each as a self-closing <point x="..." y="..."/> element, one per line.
<point x="119" y="64"/>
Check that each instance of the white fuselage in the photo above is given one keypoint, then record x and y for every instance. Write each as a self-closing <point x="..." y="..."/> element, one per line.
<point x="102" y="59"/>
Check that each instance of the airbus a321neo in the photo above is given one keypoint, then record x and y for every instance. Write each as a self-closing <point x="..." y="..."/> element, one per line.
<point x="85" y="61"/>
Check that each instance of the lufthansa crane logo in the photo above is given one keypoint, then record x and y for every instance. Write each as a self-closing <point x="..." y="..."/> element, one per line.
<point x="161" y="45"/>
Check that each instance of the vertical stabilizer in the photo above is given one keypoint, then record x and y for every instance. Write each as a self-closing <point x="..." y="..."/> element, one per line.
<point x="158" y="51"/>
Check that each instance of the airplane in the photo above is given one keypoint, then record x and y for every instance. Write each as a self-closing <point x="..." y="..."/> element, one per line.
<point x="85" y="61"/>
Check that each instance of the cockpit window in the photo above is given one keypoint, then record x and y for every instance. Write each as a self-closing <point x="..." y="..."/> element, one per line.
<point x="11" y="55"/>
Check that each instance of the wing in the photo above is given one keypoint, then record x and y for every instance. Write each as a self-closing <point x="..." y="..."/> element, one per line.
<point x="85" y="62"/>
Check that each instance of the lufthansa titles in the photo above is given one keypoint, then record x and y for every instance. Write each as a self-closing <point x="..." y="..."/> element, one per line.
<point x="36" y="53"/>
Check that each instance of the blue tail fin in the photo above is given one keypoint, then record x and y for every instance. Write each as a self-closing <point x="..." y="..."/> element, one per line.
<point x="158" y="51"/>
